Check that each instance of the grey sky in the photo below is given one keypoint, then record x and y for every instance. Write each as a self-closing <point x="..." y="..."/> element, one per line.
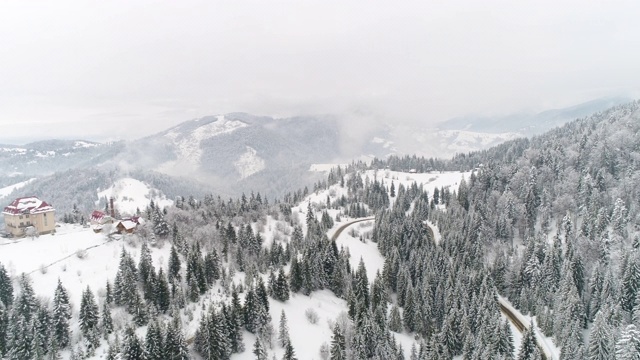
<point x="124" y="69"/>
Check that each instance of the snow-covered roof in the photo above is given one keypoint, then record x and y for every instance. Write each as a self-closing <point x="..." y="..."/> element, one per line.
<point x="27" y="205"/>
<point x="128" y="224"/>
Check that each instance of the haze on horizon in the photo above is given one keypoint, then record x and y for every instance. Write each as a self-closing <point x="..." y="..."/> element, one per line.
<point x="121" y="69"/>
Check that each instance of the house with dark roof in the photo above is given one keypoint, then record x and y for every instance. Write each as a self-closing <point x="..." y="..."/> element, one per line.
<point x="29" y="213"/>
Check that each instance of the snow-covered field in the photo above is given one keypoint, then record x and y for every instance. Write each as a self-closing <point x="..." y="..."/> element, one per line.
<point x="75" y="255"/>
<point x="131" y="194"/>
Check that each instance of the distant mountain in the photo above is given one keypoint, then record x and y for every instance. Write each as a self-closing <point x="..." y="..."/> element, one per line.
<point x="529" y="124"/>
<point x="239" y="152"/>
<point x="49" y="156"/>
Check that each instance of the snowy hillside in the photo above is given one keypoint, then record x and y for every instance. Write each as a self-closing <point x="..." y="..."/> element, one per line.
<point x="5" y="191"/>
<point x="131" y="195"/>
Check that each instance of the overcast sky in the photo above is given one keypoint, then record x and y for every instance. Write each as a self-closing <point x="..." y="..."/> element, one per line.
<point x="125" y="69"/>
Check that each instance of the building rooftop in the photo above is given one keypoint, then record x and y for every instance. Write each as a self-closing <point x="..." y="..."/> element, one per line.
<point x="27" y="205"/>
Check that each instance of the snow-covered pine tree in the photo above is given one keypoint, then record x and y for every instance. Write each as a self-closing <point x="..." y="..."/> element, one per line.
<point x="174" y="265"/>
<point x="162" y="295"/>
<point x="289" y="352"/>
<point x="89" y="317"/>
<point x="601" y="345"/>
<point x="6" y="287"/>
<point x="283" y="330"/>
<point x="528" y="346"/>
<point x="259" y="351"/>
<point x="61" y="316"/>
<point x="107" y="320"/>
<point x="154" y="346"/>
<point x="132" y="346"/>
<point x="338" y="345"/>
<point x="628" y="345"/>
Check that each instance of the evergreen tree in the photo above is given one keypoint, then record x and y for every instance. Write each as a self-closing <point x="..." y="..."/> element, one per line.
<point x="154" y="342"/>
<point x="174" y="265"/>
<point x="258" y="350"/>
<point x="283" y="330"/>
<point x="61" y="316"/>
<point x="289" y="353"/>
<point x="175" y="346"/>
<point x="6" y="287"/>
<point x="89" y="316"/>
<point x="600" y="341"/>
<point x="21" y="343"/>
<point x="162" y="295"/>
<point x="338" y="346"/>
<point x="4" y="324"/>
<point x="26" y="304"/>
<point x="628" y="345"/>
<point x="395" y="320"/>
<point x="132" y="347"/>
<point x="42" y="331"/>
<point x="107" y="320"/>
<point x="528" y="346"/>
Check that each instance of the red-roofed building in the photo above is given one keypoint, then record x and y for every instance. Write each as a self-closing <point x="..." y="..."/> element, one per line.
<point x="99" y="220"/>
<point x="27" y="212"/>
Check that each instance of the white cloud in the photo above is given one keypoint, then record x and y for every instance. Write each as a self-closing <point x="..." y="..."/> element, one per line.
<point x="74" y="66"/>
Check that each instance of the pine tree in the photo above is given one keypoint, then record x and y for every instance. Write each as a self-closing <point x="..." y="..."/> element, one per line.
<point x="600" y="341"/>
<point x="113" y="352"/>
<point x="21" y="338"/>
<point x="89" y="315"/>
<point x="132" y="347"/>
<point x="107" y="320"/>
<point x="175" y="346"/>
<point x="61" y="316"/>
<point x="42" y="331"/>
<point x="162" y="295"/>
<point x="139" y="310"/>
<point x="628" y="345"/>
<point x="289" y="353"/>
<point x="26" y="303"/>
<point x="4" y="325"/>
<point x="338" y="346"/>
<point x="236" y="319"/>
<point x="174" y="265"/>
<point x="6" y="287"/>
<point x="153" y="342"/>
<point x="282" y="286"/>
<point x="630" y="285"/>
<point x="529" y="346"/>
<point x="395" y="320"/>
<point x="283" y="330"/>
<point x="258" y="350"/>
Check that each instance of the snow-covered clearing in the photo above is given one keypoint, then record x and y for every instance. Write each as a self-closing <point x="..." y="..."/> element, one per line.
<point x="9" y="189"/>
<point x="429" y="180"/>
<point x="249" y="163"/>
<point x="130" y="194"/>
<point x="324" y="167"/>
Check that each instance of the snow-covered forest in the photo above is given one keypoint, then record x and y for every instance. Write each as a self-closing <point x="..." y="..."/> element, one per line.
<point x="550" y="225"/>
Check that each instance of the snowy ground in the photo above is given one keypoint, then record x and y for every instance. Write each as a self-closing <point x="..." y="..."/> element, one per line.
<point x="55" y="256"/>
